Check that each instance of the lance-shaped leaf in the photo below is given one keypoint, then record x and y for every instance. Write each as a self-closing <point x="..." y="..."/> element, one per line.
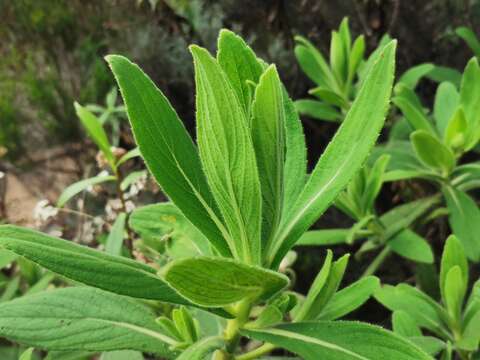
<point x="470" y="93"/>
<point x="464" y="219"/>
<point x="167" y="149"/>
<point x="240" y="64"/>
<point x="446" y="102"/>
<point x="412" y="76"/>
<point x="344" y="155"/>
<point x="454" y="292"/>
<point x="96" y="132"/>
<point x="317" y="110"/>
<point x="324" y="287"/>
<point x="423" y="309"/>
<point x="432" y="152"/>
<point x="76" y="188"/>
<point x="295" y="173"/>
<point x="456" y="132"/>
<point x="217" y="282"/>
<point x="339" y="340"/>
<point x="114" y="242"/>
<point x="350" y="298"/>
<point x="228" y="156"/>
<point x="470" y="38"/>
<point x="83" y="318"/>
<point x="268" y="134"/>
<point x="314" y="64"/>
<point x="113" y="273"/>
<point x="453" y="255"/>
<point x="414" y="114"/>
<point x="356" y="56"/>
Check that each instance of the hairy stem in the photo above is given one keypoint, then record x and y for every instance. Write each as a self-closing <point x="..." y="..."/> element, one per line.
<point x="232" y="330"/>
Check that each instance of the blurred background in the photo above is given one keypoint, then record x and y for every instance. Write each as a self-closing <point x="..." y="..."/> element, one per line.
<point x="51" y="54"/>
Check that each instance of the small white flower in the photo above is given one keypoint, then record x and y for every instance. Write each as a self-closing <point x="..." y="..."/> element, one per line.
<point x="44" y="211"/>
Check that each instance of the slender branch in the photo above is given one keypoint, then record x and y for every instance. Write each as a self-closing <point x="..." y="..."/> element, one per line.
<point x="232" y="330"/>
<point x="121" y="195"/>
<point x="256" y="353"/>
<point x="377" y="262"/>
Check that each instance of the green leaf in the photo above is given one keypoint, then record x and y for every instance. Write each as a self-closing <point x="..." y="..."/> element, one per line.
<point x="424" y="310"/>
<point x="88" y="266"/>
<point x="96" y="133"/>
<point x="456" y="131"/>
<point x="471" y="334"/>
<point x="344" y="155"/>
<point x="308" y="310"/>
<point x="445" y="73"/>
<point x="268" y="134"/>
<point x="323" y="288"/>
<point x="271" y="315"/>
<point x="313" y="64"/>
<point x="356" y="56"/>
<point x="157" y="222"/>
<point x="454" y="292"/>
<point x="323" y="237"/>
<point x="122" y="355"/>
<point x="470" y="95"/>
<point x="470" y="38"/>
<point x="129" y="155"/>
<point x="402" y="216"/>
<point x="76" y="188"/>
<point x="414" y="115"/>
<point x="338" y="57"/>
<point x="329" y="96"/>
<point x="339" y="340"/>
<point x="404" y="325"/>
<point x="446" y="102"/>
<point x="240" y="65"/>
<point x="295" y="171"/>
<point x="412" y="76"/>
<point x="82" y="318"/>
<point x="114" y="243"/>
<point x="6" y="258"/>
<point x="464" y="220"/>
<point x="412" y="246"/>
<point x="375" y="181"/>
<point x="432" y="152"/>
<point x="317" y="110"/>
<point x="217" y="282"/>
<point x="453" y="255"/>
<point x="27" y="354"/>
<point x="228" y="156"/>
<point x="431" y="345"/>
<point x="202" y="350"/>
<point x="350" y="298"/>
<point x="168" y="150"/>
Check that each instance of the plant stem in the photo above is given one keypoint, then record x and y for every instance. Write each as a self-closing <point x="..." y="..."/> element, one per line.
<point x="377" y="262"/>
<point x="121" y="196"/>
<point x="256" y="353"/>
<point x="232" y="330"/>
